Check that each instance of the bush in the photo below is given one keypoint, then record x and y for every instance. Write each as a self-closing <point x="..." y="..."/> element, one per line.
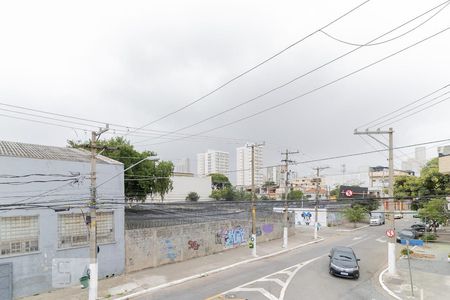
<point x="404" y="251"/>
<point x="192" y="196"/>
<point x="428" y="237"/>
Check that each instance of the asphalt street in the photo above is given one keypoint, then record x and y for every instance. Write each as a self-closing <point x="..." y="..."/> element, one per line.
<point x="301" y="272"/>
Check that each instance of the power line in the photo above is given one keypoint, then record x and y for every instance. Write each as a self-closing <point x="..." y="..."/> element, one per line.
<point x="253" y="68"/>
<point x="308" y="92"/>
<point x="391" y="39"/>
<point x="405" y="106"/>
<point x="284" y="84"/>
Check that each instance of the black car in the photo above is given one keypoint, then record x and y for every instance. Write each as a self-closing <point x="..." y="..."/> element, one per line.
<point x="407" y="233"/>
<point x="421" y="228"/>
<point x="343" y="262"/>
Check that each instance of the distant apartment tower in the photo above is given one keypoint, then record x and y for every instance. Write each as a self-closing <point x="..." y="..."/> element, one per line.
<point x="417" y="163"/>
<point x="182" y="165"/>
<point x="213" y="161"/>
<point x="273" y="174"/>
<point x="244" y="166"/>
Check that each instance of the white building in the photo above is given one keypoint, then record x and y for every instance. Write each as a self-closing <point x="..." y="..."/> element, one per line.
<point x="244" y="166"/>
<point x="273" y="174"/>
<point x="213" y="161"/>
<point x="182" y="165"/>
<point x="417" y="162"/>
<point x="183" y="184"/>
<point x="45" y="191"/>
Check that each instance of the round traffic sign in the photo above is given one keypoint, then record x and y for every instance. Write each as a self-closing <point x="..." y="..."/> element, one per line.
<point x="390" y="232"/>
<point x="348" y="193"/>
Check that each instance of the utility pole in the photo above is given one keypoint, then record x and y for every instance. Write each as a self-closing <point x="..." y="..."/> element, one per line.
<point x="93" y="263"/>
<point x="286" y="191"/>
<point x="391" y="244"/>
<point x="316" y="207"/>
<point x="252" y="146"/>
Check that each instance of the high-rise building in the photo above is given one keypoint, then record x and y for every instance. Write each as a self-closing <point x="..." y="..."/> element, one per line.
<point x="244" y="166"/>
<point x="182" y="165"/>
<point x="213" y="161"/>
<point x="417" y="163"/>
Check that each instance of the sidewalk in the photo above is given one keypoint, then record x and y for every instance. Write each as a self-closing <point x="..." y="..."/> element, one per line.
<point x="430" y="273"/>
<point x="126" y="284"/>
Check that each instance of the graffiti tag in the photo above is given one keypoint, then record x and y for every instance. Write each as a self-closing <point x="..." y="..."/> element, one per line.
<point x="193" y="245"/>
<point x="234" y="237"/>
<point x="170" y="248"/>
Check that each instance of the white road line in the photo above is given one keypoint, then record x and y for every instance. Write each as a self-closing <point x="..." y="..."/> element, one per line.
<point x="286" y="271"/>
<point x="276" y="280"/>
<point x="210" y="272"/>
<point x="380" y="279"/>
<point x="260" y="290"/>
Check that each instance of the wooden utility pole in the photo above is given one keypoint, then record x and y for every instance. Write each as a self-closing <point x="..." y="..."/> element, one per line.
<point x="391" y="243"/>
<point x="286" y="191"/>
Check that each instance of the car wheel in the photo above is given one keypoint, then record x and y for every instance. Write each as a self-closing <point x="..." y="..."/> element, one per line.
<point x="356" y="276"/>
<point x="330" y="271"/>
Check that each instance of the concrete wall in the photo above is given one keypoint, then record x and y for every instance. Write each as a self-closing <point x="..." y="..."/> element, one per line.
<point x="151" y="247"/>
<point x="444" y="164"/>
<point x="32" y="272"/>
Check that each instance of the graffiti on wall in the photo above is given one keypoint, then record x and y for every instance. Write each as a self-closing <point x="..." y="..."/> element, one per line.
<point x="218" y="238"/>
<point x="194" y="245"/>
<point x="267" y="228"/>
<point x="231" y="237"/>
<point x="170" y="250"/>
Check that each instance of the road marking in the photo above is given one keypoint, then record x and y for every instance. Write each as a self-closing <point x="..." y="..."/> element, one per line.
<point x="290" y="271"/>
<point x="381" y="239"/>
<point x="276" y="280"/>
<point x="359" y="237"/>
<point x="297" y="267"/>
<point x="260" y="290"/>
<point x="380" y="279"/>
<point x="214" y="271"/>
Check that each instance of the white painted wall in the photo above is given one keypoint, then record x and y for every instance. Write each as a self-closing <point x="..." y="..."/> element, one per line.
<point x="183" y="185"/>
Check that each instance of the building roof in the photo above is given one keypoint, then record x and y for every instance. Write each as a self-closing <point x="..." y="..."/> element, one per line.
<point x="22" y="150"/>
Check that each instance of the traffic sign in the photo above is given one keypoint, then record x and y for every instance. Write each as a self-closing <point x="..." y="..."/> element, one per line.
<point x="390" y="232"/>
<point x="348" y="193"/>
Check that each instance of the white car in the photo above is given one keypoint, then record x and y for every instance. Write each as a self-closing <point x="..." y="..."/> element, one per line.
<point x="398" y="216"/>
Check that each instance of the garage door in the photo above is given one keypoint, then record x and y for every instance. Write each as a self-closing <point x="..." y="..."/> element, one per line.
<point x="6" y="281"/>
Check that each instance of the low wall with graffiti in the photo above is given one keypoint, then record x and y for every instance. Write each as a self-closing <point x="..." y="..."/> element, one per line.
<point x="151" y="247"/>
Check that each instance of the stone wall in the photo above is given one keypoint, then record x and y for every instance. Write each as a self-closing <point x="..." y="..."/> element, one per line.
<point x="151" y="247"/>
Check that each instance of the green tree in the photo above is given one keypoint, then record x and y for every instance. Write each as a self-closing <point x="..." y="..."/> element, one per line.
<point x="264" y="197"/>
<point x="295" y="195"/>
<point x="431" y="183"/>
<point x="148" y="178"/>
<point x="355" y="214"/>
<point x="268" y="184"/>
<point x="192" y="196"/>
<point x="216" y="194"/>
<point x="435" y="211"/>
<point x="219" y="181"/>
<point x="335" y="192"/>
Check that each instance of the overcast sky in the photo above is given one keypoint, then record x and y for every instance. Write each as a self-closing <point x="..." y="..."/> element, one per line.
<point x="132" y="62"/>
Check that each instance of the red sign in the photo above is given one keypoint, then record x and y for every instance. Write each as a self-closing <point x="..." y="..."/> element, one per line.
<point x="348" y="193"/>
<point x="390" y="232"/>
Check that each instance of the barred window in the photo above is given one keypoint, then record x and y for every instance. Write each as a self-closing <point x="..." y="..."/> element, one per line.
<point x="19" y="235"/>
<point x="73" y="232"/>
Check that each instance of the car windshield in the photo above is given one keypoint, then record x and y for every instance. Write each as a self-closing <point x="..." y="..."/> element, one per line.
<point x="343" y="256"/>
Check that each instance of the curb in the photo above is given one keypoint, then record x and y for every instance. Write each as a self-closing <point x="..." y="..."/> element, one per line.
<point x="204" y="274"/>
<point x="349" y="230"/>
<point x="380" y="279"/>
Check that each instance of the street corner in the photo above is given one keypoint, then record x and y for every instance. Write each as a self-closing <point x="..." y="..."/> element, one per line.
<point x="392" y="284"/>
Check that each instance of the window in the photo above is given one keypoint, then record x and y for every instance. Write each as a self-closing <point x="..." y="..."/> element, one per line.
<point x="19" y="235"/>
<point x="73" y="231"/>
